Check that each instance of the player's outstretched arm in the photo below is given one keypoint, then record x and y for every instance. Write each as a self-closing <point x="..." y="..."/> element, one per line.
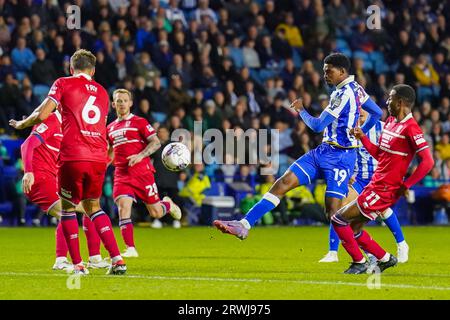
<point x="316" y="124"/>
<point x="27" y="150"/>
<point x="39" y="114"/>
<point x="370" y="147"/>
<point x="374" y="115"/>
<point x="153" y="145"/>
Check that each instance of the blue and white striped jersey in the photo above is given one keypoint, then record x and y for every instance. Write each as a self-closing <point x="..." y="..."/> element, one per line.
<point x="344" y="105"/>
<point x="366" y="164"/>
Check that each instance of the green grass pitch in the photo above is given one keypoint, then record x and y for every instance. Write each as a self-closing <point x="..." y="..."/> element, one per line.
<point x="202" y="263"/>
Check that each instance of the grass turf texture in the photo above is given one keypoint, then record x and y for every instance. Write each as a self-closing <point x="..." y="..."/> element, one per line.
<point x="201" y="263"/>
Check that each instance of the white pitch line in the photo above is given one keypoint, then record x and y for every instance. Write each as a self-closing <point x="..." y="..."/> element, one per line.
<point x="312" y="282"/>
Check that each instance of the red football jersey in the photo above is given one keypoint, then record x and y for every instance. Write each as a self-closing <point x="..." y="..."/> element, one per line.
<point x="84" y="107"/>
<point x="45" y="156"/>
<point x="129" y="136"/>
<point x="398" y="144"/>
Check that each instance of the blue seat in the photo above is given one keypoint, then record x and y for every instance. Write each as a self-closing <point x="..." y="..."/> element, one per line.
<point x="40" y="91"/>
<point x="343" y="47"/>
<point x="296" y="58"/>
<point x="6" y="210"/>
<point x="217" y="189"/>
<point x="11" y="146"/>
<point x="164" y="82"/>
<point x="9" y="172"/>
<point x="361" y="55"/>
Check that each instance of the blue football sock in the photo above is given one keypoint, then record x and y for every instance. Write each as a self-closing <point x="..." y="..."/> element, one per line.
<point x="334" y="239"/>
<point x="394" y="226"/>
<point x="266" y="204"/>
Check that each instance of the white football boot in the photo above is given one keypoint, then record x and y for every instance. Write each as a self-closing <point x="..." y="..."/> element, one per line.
<point x="79" y="269"/>
<point x="175" y="210"/>
<point x="61" y="263"/>
<point x="331" y="256"/>
<point x="96" y="262"/>
<point x="130" y="252"/>
<point x="402" y="252"/>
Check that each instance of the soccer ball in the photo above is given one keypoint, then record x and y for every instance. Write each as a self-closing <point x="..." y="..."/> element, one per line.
<point x="176" y="156"/>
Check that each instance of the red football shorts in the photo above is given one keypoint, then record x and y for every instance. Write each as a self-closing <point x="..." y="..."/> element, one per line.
<point x="374" y="200"/>
<point x="81" y="180"/>
<point x="44" y="191"/>
<point x="141" y="186"/>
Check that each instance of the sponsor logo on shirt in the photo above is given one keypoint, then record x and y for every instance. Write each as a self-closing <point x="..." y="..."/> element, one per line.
<point x="419" y="139"/>
<point x="41" y="128"/>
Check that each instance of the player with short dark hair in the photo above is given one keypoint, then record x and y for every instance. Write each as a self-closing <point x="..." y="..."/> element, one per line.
<point x="84" y="106"/>
<point x="400" y="141"/>
<point x="364" y="168"/>
<point x="333" y="160"/>
<point x="132" y="140"/>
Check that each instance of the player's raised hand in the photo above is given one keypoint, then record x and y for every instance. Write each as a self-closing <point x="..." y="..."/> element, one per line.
<point x="135" y="158"/>
<point x="17" y="124"/>
<point x="27" y="182"/>
<point x="357" y="133"/>
<point x="297" y="105"/>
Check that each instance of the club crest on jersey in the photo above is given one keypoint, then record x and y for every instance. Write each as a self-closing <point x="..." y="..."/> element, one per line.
<point x="335" y="103"/>
<point x="127" y="124"/>
<point x="41" y="128"/>
<point x="400" y="127"/>
<point x="66" y="193"/>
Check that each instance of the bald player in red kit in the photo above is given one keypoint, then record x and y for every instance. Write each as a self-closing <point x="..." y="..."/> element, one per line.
<point x="83" y="157"/>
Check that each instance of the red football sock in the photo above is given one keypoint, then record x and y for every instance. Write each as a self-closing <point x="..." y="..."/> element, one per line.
<point x="349" y="243"/>
<point x="126" y="229"/>
<point x="61" y="245"/>
<point x="166" y="205"/>
<point x="105" y="231"/>
<point x="93" y="240"/>
<point x="70" y="229"/>
<point x="369" y="245"/>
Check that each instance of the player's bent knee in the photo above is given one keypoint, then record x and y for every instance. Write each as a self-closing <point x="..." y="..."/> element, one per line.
<point x="155" y="211"/>
<point x="285" y="183"/>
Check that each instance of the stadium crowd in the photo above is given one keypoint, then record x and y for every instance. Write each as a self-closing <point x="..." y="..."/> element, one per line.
<point x="232" y="64"/>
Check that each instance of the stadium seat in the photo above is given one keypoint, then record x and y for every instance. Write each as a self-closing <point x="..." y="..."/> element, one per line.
<point x="11" y="146"/>
<point x="361" y="55"/>
<point x="40" y="91"/>
<point x="5" y="211"/>
<point x="164" y="82"/>
<point x="217" y="189"/>
<point x="343" y="47"/>
<point x="9" y="172"/>
<point x="159" y="116"/>
<point x="296" y="58"/>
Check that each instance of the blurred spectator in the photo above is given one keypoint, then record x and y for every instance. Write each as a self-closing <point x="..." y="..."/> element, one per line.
<point x="443" y="147"/>
<point x="196" y="185"/>
<point x="178" y="97"/>
<point x="427" y="78"/>
<point x="42" y="70"/>
<point x="22" y="57"/>
<point x="147" y="69"/>
<point x="213" y="115"/>
<point x="291" y="31"/>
